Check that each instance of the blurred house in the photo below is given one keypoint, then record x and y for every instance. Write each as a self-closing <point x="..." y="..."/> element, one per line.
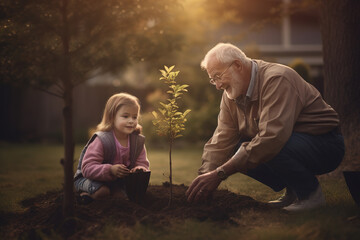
<point x="280" y="31"/>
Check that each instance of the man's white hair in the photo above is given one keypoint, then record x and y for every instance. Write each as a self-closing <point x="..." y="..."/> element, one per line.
<point x="224" y="53"/>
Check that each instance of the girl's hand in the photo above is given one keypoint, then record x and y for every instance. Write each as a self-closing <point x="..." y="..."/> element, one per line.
<point x="143" y="169"/>
<point x="119" y="170"/>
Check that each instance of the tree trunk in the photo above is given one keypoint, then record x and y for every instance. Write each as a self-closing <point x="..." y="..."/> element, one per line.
<point x="340" y="31"/>
<point x="68" y="203"/>
<point x="341" y="50"/>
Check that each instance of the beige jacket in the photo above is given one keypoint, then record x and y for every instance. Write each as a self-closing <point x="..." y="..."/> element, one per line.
<point x="281" y="103"/>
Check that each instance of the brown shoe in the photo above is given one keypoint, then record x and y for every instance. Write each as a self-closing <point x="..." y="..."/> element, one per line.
<point x="285" y="200"/>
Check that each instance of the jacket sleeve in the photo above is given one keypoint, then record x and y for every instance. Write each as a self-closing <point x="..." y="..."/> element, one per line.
<point x="142" y="160"/>
<point x="221" y="146"/>
<point x="92" y="166"/>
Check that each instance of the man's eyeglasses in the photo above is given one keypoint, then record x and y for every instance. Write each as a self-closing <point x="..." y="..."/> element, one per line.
<point x="217" y="77"/>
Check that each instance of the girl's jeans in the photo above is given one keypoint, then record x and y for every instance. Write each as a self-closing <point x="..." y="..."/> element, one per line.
<point x="91" y="186"/>
<point x="302" y="157"/>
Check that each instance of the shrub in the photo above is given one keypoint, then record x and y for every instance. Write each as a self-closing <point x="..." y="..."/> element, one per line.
<point x="302" y="68"/>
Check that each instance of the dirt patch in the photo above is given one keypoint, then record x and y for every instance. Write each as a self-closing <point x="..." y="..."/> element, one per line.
<point x="43" y="215"/>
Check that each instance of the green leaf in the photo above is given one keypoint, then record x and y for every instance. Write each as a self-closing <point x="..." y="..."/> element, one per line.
<point x="155" y="114"/>
<point x="186" y="112"/>
<point x="162" y="111"/>
<point x="171" y="101"/>
<point x="164" y="105"/>
<point x="171" y="68"/>
<point x="163" y="72"/>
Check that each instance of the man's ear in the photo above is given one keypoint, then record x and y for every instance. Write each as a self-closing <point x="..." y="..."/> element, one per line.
<point x="238" y="65"/>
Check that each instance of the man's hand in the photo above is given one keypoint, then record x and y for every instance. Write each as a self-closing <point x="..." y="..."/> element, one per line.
<point x="203" y="186"/>
<point x="119" y="170"/>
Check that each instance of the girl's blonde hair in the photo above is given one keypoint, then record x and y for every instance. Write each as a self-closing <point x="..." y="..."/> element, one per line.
<point x="114" y="103"/>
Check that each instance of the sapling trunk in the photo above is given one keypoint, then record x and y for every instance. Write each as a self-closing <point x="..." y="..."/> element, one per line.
<point x="170" y="176"/>
<point x="170" y="122"/>
<point x="171" y="140"/>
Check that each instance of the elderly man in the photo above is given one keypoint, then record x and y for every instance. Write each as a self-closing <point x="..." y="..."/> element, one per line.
<point x="273" y="126"/>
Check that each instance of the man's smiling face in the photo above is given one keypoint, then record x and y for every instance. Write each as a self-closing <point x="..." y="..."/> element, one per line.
<point x="227" y="77"/>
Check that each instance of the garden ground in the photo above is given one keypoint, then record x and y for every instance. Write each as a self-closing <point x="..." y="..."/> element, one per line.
<point x="236" y="210"/>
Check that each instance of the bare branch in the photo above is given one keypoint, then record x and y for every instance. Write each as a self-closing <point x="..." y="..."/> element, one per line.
<point x="48" y="91"/>
<point x="59" y="86"/>
<point x="93" y="38"/>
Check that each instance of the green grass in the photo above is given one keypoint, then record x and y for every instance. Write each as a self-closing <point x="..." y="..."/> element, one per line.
<point x="26" y="171"/>
<point x="30" y="169"/>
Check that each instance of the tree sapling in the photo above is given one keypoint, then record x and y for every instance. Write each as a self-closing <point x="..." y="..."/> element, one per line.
<point x="169" y="121"/>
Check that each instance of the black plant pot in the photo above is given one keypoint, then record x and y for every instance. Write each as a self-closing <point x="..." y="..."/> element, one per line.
<point x="352" y="179"/>
<point x="136" y="185"/>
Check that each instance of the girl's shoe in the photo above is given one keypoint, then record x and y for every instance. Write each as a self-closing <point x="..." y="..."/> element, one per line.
<point x="84" y="199"/>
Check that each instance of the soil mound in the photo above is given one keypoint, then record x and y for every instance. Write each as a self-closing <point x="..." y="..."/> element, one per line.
<point x="43" y="215"/>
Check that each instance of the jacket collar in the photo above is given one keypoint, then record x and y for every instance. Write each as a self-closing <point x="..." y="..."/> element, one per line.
<point x="255" y="91"/>
<point x="252" y="92"/>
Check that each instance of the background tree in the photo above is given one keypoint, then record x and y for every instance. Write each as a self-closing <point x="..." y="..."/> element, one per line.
<point x="340" y="32"/>
<point x="56" y="45"/>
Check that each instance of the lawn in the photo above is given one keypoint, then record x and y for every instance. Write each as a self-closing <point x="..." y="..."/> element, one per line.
<point x="32" y="169"/>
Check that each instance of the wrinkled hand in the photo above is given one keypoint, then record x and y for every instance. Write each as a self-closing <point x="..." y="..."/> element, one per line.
<point x="202" y="187"/>
<point x="119" y="170"/>
<point x="138" y="168"/>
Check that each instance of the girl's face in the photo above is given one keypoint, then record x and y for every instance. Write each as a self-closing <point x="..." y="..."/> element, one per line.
<point x="126" y="119"/>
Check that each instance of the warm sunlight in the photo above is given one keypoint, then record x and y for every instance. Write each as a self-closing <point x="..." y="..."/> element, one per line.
<point x="254" y="134"/>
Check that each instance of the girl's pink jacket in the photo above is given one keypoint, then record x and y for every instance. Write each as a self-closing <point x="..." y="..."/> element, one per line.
<point x="93" y="168"/>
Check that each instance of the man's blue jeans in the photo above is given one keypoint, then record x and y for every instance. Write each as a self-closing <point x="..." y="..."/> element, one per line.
<point x="302" y="158"/>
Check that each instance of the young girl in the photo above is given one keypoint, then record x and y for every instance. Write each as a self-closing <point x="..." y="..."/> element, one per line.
<point x="114" y="151"/>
